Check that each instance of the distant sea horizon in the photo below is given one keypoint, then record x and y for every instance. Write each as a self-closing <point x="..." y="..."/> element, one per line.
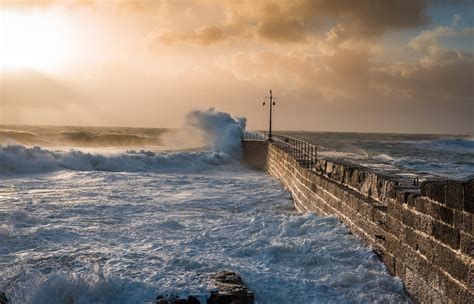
<point x="282" y="131"/>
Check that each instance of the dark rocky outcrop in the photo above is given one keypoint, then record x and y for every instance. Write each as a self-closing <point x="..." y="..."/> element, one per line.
<point x="175" y="300"/>
<point x="230" y="290"/>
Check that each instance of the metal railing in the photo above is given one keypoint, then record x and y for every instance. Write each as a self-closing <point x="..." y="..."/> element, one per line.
<point x="305" y="153"/>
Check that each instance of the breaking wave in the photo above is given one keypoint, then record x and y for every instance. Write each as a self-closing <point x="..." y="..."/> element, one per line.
<point x="112" y="139"/>
<point x="221" y="133"/>
<point x="83" y="137"/>
<point x="19" y="159"/>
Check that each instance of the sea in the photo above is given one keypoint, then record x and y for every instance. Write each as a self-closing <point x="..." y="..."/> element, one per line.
<point x="122" y="215"/>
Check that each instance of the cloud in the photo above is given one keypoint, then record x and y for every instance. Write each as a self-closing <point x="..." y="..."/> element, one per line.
<point x="203" y="35"/>
<point x="324" y="58"/>
<point x="285" y="30"/>
<point x="278" y="21"/>
<point x="441" y="74"/>
<point x="339" y="71"/>
<point x="287" y="22"/>
<point x="366" y="17"/>
<point x="428" y="42"/>
<point x="27" y="4"/>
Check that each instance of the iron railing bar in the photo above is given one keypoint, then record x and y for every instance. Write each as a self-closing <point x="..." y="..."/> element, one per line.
<point x="304" y="152"/>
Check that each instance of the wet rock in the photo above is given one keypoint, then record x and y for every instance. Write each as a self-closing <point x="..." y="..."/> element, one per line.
<point x="174" y="300"/>
<point x="3" y="298"/>
<point x="230" y="289"/>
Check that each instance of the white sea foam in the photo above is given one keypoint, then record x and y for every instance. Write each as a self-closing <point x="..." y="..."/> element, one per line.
<point x="19" y="159"/>
<point x="107" y="237"/>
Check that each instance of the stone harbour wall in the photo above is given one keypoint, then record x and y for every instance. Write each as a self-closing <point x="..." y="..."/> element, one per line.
<point x="424" y="234"/>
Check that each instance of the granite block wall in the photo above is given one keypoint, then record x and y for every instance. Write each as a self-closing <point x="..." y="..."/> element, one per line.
<point x="424" y="233"/>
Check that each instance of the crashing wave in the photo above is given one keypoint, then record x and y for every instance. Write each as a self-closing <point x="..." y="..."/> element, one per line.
<point x="221" y="133"/>
<point x="19" y="159"/>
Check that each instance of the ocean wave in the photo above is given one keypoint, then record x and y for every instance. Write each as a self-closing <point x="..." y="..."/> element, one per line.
<point x="20" y="159"/>
<point x="79" y="138"/>
<point x="83" y="138"/>
<point x="458" y="145"/>
<point x="385" y="158"/>
<point x="21" y="137"/>
<point x="221" y="133"/>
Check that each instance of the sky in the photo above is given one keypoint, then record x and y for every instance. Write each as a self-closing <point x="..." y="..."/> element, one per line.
<point x="403" y="66"/>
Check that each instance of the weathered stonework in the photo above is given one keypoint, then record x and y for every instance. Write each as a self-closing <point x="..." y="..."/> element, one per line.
<point x="255" y="154"/>
<point x="425" y="234"/>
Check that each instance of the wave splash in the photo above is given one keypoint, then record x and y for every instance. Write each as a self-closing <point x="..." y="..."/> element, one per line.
<point x="220" y="131"/>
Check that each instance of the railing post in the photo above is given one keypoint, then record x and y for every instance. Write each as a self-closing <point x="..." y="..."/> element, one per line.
<point x="301" y="150"/>
<point x="298" y="149"/>
<point x="305" y="154"/>
<point x="308" y="164"/>
<point x="292" y="147"/>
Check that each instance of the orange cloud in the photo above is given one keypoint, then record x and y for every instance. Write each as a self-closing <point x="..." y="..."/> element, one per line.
<point x="203" y="35"/>
<point x="293" y="21"/>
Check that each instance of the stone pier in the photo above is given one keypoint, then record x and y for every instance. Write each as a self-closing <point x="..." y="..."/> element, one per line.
<point x="424" y="234"/>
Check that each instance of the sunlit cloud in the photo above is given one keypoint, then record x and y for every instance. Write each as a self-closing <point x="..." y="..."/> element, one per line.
<point x="148" y="62"/>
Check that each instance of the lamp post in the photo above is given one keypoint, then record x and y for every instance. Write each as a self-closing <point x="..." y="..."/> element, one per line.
<point x="272" y="103"/>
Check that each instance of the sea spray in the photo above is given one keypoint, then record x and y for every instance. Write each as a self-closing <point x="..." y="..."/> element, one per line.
<point x="220" y="130"/>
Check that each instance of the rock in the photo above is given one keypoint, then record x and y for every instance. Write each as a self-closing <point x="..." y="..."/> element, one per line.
<point x="174" y="300"/>
<point x="3" y="298"/>
<point x="230" y="290"/>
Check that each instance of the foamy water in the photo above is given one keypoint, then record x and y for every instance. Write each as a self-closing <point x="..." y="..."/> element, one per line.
<point x="125" y="237"/>
<point x="446" y="156"/>
<point x="124" y="226"/>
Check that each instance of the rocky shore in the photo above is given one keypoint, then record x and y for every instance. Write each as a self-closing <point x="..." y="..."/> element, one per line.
<point x="230" y="289"/>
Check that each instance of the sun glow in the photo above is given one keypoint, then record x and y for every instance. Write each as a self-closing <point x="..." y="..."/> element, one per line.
<point x="35" y="40"/>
